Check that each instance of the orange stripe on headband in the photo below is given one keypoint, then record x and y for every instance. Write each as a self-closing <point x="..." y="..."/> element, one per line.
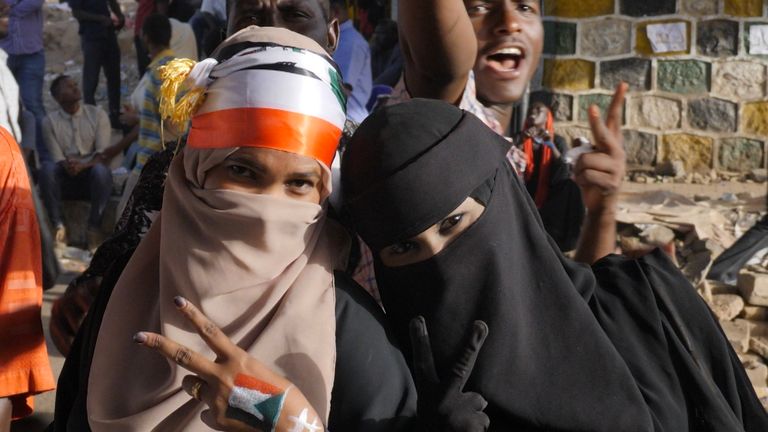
<point x="267" y="128"/>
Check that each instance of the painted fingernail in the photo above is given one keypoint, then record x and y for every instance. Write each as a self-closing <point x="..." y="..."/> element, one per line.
<point x="140" y="337"/>
<point x="180" y="301"/>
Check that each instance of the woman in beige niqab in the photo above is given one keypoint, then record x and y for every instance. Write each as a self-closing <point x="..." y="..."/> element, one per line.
<point x="260" y="267"/>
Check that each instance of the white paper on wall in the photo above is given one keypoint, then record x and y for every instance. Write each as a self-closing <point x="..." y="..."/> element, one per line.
<point x="758" y="39"/>
<point x="668" y="37"/>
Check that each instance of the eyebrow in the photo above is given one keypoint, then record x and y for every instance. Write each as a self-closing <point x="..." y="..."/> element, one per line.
<point x="306" y="175"/>
<point x="256" y="166"/>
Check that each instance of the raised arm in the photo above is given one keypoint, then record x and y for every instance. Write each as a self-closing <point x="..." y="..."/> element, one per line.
<point x="599" y="175"/>
<point x="439" y="47"/>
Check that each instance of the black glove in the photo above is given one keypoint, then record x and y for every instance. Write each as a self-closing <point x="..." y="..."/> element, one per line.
<point x="444" y="406"/>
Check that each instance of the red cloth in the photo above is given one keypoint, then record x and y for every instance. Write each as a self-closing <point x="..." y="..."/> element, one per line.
<point x="145" y="9"/>
<point x="24" y="366"/>
<point x="542" y="188"/>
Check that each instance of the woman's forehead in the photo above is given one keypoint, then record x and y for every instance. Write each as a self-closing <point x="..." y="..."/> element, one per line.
<point x="271" y="158"/>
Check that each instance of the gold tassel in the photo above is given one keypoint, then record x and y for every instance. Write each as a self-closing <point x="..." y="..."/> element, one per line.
<point x="178" y="109"/>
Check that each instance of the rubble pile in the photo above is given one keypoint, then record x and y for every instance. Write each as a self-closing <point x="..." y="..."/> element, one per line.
<point x="694" y="232"/>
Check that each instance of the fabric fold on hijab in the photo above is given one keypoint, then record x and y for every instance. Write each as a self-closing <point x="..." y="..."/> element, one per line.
<point x="565" y="351"/>
<point x="259" y="267"/>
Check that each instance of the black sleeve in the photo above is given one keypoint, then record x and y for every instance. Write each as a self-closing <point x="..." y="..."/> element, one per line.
<point x="373" y="389"/>
<point x="70" y="412"/>
<point x="559" y="171"/>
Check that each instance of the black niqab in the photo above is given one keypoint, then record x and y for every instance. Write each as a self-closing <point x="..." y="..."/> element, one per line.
<point x="556" y="354"/>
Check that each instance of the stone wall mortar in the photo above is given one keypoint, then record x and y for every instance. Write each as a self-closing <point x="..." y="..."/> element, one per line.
<point x="724" y="85"/>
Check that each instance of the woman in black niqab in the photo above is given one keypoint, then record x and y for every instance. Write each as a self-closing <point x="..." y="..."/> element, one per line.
<point x="626" y="346"/>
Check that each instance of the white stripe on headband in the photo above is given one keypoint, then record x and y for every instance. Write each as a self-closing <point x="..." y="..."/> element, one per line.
<point x="280" y="90"/>
<point x="251" y="57"/>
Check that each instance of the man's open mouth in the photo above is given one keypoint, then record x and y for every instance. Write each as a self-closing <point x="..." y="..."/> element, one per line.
<point x="506" y="58"/>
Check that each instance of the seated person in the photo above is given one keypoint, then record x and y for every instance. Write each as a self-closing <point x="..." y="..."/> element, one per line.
<point x="76" y="135"/>
<point x="548" y="178"/>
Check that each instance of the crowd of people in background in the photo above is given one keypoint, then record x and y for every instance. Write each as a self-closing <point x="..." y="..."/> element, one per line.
<point x="345" y="211"/>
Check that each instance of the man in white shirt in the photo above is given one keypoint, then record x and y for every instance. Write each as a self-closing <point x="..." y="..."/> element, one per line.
<point x="76" y="135"/>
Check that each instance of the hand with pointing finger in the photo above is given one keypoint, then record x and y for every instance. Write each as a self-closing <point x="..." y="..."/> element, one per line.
<point x="444" y="406"/>
<point x="599" y="174"/>
<point x="242" y="394"/>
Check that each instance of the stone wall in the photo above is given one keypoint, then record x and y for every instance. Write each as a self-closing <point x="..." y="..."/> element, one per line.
<point x="706" y="105"/>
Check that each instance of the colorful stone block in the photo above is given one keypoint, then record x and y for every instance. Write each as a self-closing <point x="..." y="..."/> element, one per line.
<point x="647" y="7"/>
<point x="571" y="75"/>
<point x="634" y="71"/>
<point x="559" y="38"/>
<point x="655" y="112"/>
<point x="606" y="37"/>
<point x="740" y="154"/>
<point x="603" y="101"/>
<point x="643" y="44"/>
<point x="694" y="151"/>
<point x="714" y="115"/>
<point x="744" y="8"/>
<point x="683" y="76"/>
<point x="718" y="38"/>
<point x="578" y="9"/>
<point x="739" y="80"/>
<point x="754" y="118"/>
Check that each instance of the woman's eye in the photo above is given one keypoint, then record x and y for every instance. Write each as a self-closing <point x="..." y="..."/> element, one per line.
<point x="450" y="222"/>
<point x="240" y="171"/>
<point x="401" y="248"/>
<point x="301" y="186"/>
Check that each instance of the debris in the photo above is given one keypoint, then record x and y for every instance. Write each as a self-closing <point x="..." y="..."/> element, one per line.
<point x="726" y="306"/>
<point x="657" y="235"/>
<point x="673" y="168"/>
<point x="754" y="287"/>
<point x="759" y="175"/>
<point x="738" y="334"/>
<point x="755" y="313"/>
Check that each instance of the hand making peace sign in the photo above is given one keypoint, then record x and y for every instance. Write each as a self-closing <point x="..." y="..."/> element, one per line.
<point x="233" y="385"/>
<point x="444" y="406"/>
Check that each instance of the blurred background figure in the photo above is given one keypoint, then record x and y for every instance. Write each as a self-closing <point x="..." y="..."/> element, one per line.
<point x="98" y="36"/>
<point x="209" y="24"/>
<point x="354" y="59"/>
<point x="25" y="369"/>
<point x="23" y="42"/>
<point x="548" y="177"/>
<point x="386" y="57"/>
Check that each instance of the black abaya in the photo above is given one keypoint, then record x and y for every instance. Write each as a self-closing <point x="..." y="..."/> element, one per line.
<point x="569" y="349"/>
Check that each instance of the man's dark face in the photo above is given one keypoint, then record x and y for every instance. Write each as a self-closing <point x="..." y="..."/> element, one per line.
<point x="308" y="17"/>
<point x="510" y="38"/>
<point x="67" y="92"/>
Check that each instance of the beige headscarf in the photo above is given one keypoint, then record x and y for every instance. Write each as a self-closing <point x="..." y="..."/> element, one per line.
<point x="259" y="267"/>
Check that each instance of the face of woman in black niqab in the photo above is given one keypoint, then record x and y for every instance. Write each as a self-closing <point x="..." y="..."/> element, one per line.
<point x="434" y="239"/>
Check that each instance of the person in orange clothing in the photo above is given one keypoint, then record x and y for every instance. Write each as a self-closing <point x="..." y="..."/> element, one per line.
<point x="24" y="366"/>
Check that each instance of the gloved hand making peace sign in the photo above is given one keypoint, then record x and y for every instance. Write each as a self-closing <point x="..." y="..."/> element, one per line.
<point x="444" y="405"/>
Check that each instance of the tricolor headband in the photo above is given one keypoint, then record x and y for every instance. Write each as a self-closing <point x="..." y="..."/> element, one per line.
<point x="270" y="96"/>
